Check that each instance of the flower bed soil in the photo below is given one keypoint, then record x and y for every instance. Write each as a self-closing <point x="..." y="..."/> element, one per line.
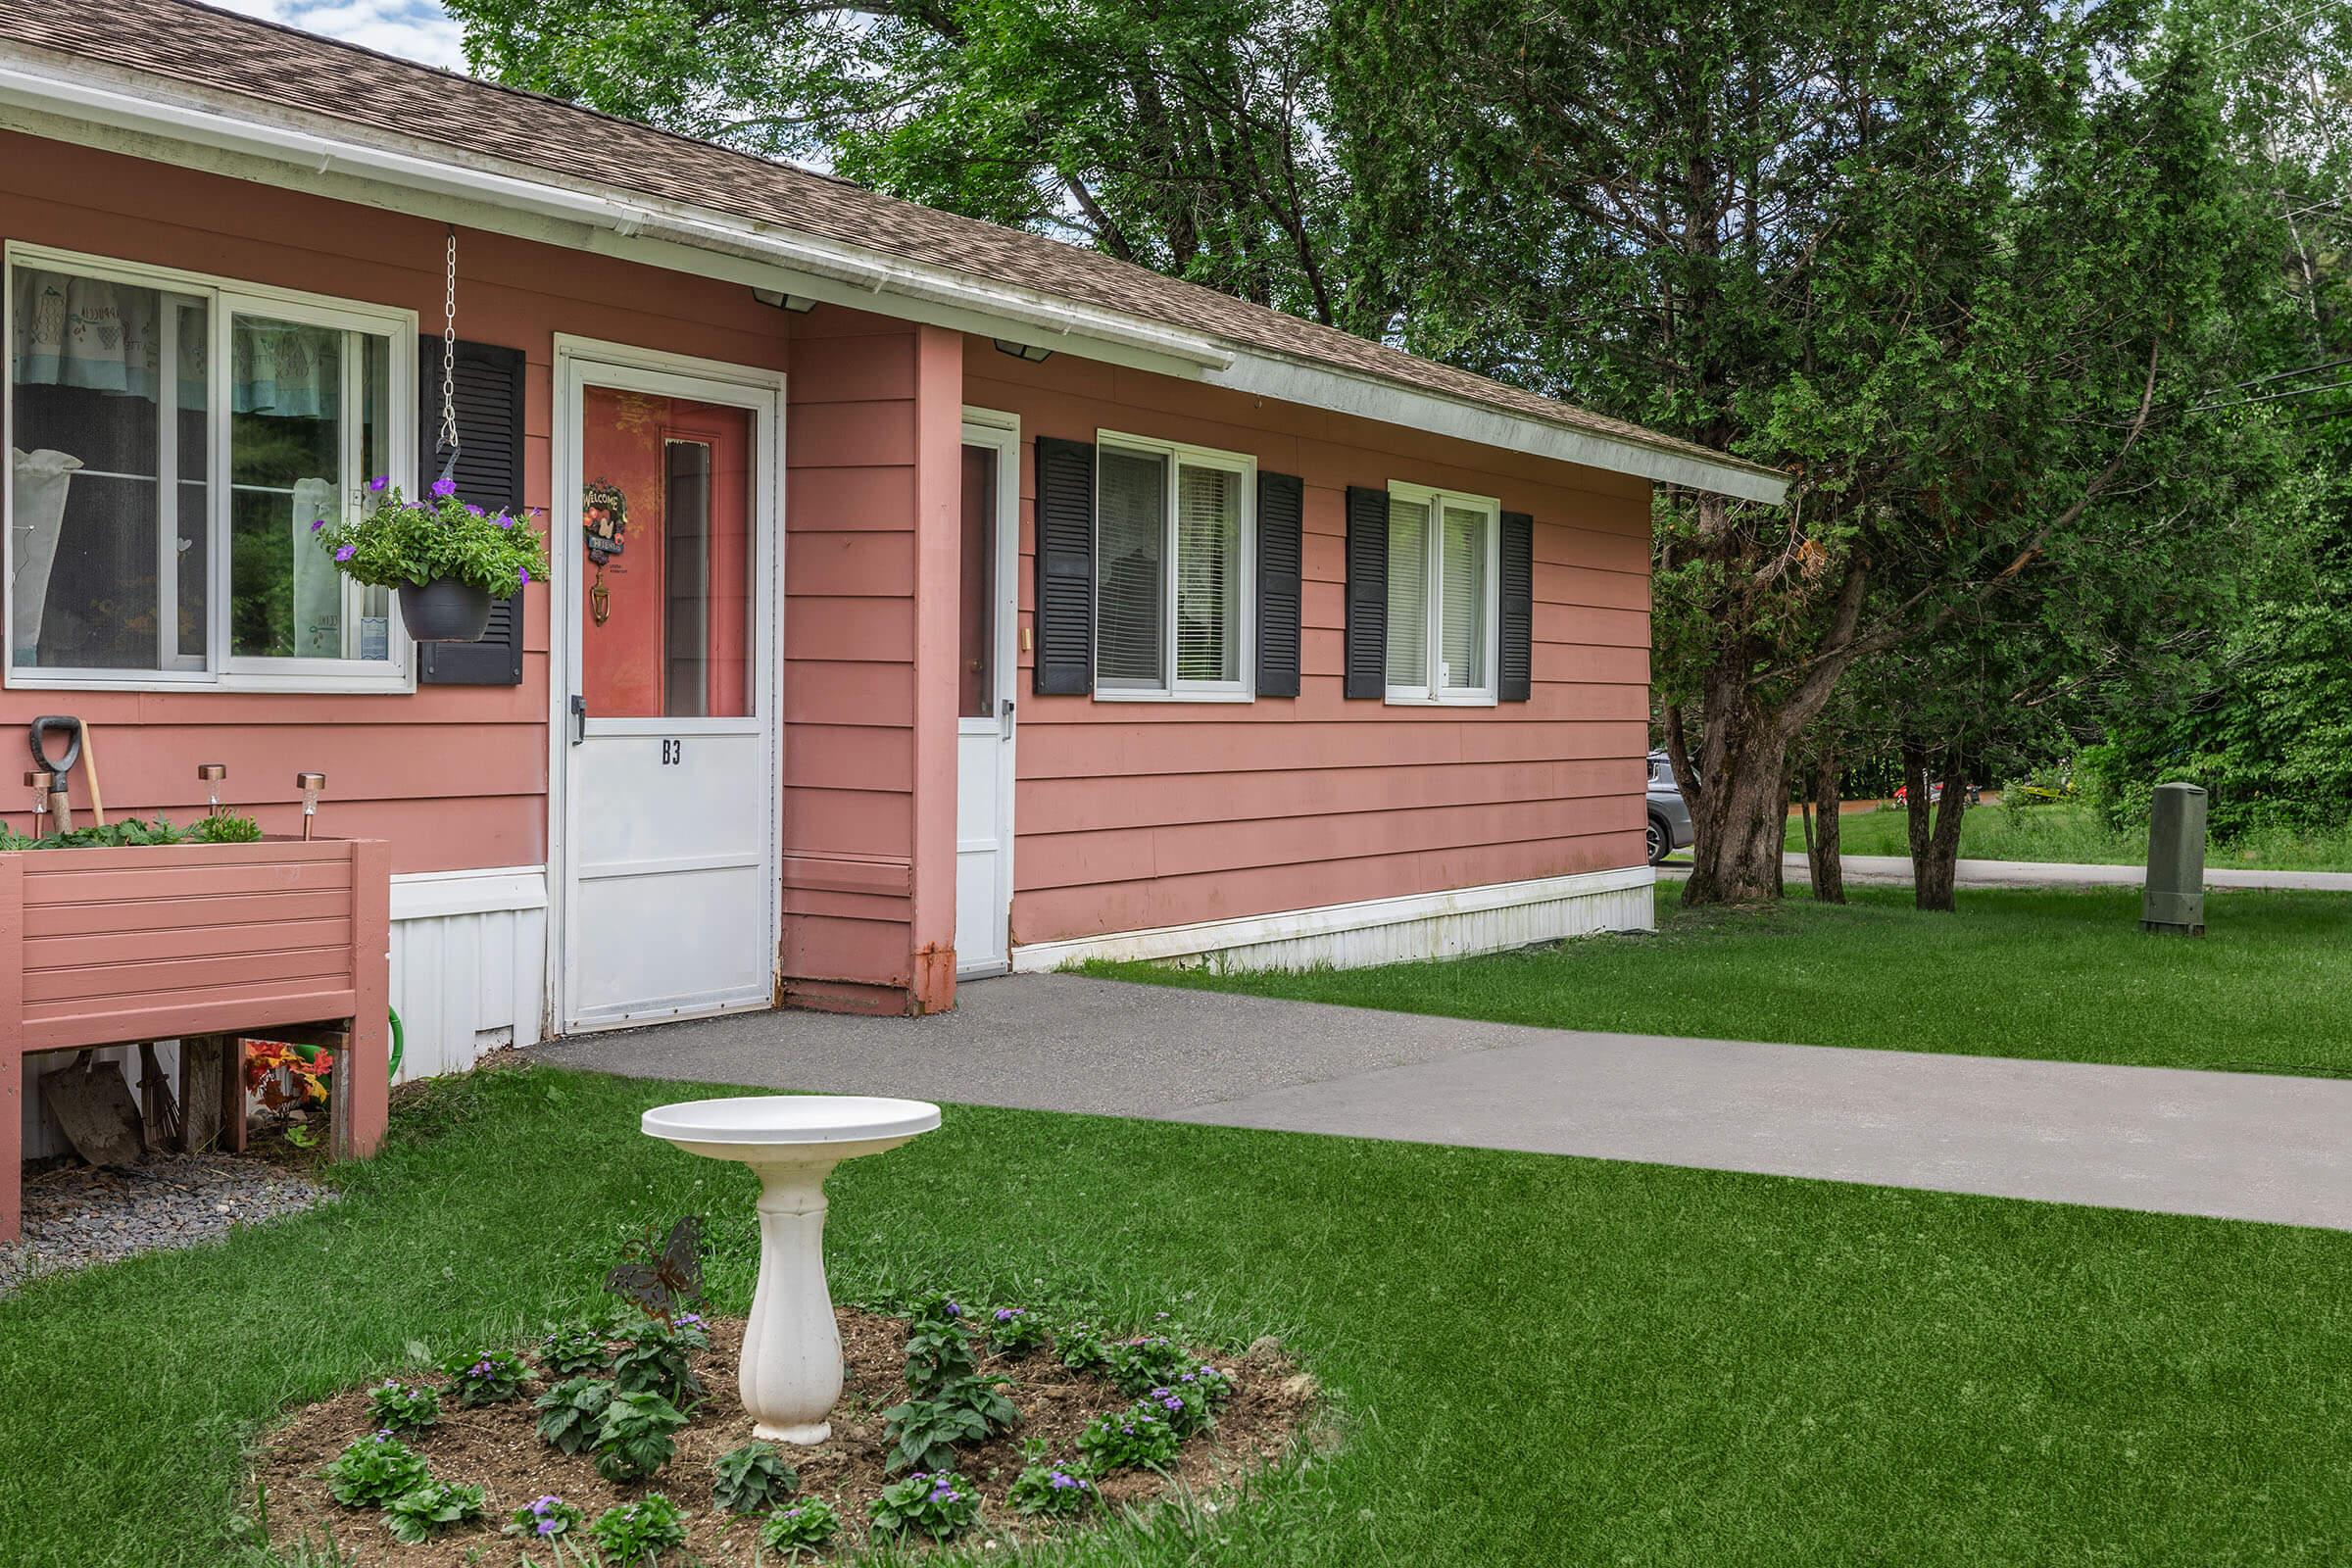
<point x="496" y="1447"/>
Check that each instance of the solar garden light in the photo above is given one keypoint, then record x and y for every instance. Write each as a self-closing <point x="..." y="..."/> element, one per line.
<point x="212" y="773"/>
<point x="40" y="781"/>
<point x="310" y="784"/>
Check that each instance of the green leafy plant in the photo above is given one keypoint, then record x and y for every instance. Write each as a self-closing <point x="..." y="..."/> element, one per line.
<point x="1048" y="1486"/>
<point x="653" y="1358"/>
<point x="937" y="1349"/>
<point x="923" y="1431"/>
<point x="226" y="828"/>
<point x="396" y="541"/>
<point x="1190" y="1403"/>
<point x="573" y="1413"/>
<point x="1081" y="1349"/>
<point x="570" y="1348"/>
<point x="633" y="1440"/>
<point x="546" y="1518"/>
<point x="1147" y="1362"/>
<point x="417" y="1516"/>
<point x="939" y="1503"/>
<point x="1015" y="1329"/>
<point x="486" y="1377"/>
<point x="1138" y="1437"/>
<point x="374" y="1470"/>
<point x="800" y="1527"/>
<point x="639" y="1532"/>
<point x="397" y="1406"/>
<point x="749" y="1479"/>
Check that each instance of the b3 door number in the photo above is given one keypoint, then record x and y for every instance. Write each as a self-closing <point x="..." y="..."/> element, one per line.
<point x="673" y="753"/>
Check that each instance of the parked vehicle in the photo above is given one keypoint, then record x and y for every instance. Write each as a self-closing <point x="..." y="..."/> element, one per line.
<point x="1902" y="795"/>
<point x="1669" y="825"/>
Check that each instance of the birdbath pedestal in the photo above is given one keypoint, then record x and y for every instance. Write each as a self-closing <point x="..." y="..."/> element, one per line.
<point x="791" y="1372"/>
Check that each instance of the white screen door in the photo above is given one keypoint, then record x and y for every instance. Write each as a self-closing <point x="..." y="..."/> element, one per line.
<point x="669" y="512"/>
<point x="987" y="609"/>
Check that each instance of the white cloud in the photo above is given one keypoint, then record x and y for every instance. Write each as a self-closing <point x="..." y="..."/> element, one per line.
<point x="414" y="29"/>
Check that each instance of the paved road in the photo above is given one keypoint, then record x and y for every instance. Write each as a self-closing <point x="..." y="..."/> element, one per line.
<point x="2047" y="874"/>
<point x="2229" y="1144"/>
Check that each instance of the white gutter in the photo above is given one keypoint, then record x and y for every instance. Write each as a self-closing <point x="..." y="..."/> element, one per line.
<point x="228" y="123"/>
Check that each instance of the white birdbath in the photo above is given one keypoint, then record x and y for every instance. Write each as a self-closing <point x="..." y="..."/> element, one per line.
<point x="791" y="1374"/>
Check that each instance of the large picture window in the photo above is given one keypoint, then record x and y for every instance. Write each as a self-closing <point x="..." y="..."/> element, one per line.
<point x="1173" y="548"/>
<point x="1441" y="595"/>
<point x="173" y="442"/>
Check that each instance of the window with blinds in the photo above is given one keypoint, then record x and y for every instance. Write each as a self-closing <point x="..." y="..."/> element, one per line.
<point x="1172" y="561"/>
<point x="1441" y="590"/>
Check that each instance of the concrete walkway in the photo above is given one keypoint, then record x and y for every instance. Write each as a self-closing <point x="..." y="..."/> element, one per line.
<point x="2059" y="874"/>
<point x="2236" y="1145"/>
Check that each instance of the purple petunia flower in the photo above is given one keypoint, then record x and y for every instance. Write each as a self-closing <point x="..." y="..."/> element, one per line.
<point x="505" y="521"/>
<point x="347" y="552"/>
<point x="445" y="487"/>
<point x="527" y="573"/>
<point x="317" y="523"/>
<point x="380" y="483"/>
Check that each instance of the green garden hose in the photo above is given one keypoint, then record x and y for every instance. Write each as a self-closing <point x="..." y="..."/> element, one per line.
<point x="400" y="1047"/>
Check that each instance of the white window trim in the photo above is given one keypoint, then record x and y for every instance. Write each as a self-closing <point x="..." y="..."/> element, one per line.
<point x="1433" y="695"/>
<point x="225" y="297"/>
<point x="1179" y="453"/>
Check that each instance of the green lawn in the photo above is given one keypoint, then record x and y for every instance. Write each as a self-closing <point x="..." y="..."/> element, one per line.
<point x="2074" y="833"/>
<point x="2060" y="974"/>
<point x="1531" y="1361"/>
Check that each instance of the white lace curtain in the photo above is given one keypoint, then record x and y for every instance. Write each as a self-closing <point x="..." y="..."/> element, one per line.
<point x="106" y="336"/>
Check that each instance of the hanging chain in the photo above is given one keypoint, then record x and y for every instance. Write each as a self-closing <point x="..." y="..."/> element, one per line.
<point x="449" y="356"/>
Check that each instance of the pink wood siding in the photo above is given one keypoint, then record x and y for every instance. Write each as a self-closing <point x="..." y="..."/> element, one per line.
<point x="457" y="776"/>
<point x="1131" y="815"/>
<point x="866" y="397"/>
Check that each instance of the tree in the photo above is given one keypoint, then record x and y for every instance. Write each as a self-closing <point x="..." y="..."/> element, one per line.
<point x="1965" y="271"/>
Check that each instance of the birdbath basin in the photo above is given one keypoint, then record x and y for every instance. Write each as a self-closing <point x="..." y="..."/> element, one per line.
<point x="791" y="1372"/>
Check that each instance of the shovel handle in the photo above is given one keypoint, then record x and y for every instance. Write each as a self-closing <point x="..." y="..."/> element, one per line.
<point x="40" y="728"/>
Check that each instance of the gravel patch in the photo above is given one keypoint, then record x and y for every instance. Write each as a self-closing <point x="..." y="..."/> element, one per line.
<point x="75" y="1215"/>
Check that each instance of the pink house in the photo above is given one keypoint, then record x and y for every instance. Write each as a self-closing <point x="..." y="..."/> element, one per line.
<point x="981" y="603"/>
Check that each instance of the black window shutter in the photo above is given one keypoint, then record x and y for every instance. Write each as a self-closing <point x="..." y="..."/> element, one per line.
<point x="1281" y="500"/>
<point x="1065" y="567"/>
<point x="1518" y="608"/>
<point x="1367" y="640"/>
<point x="489" y="381"/>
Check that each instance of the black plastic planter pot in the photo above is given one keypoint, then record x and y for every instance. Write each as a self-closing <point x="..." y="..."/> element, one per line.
<point x="444" y="610"/>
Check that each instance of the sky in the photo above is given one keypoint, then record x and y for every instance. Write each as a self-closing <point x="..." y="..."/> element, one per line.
<point x="414" y="30"/>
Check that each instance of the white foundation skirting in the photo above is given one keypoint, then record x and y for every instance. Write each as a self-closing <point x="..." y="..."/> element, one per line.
<point x="469" y="950"/>
<point x="1451" y="924"/>
<point x="468" y="964"/>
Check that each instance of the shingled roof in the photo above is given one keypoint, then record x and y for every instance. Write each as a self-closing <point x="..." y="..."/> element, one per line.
<point x="222" y="52"/>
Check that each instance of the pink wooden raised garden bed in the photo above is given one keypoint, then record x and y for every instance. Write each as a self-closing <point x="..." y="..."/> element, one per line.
<point x="103" y="947"/>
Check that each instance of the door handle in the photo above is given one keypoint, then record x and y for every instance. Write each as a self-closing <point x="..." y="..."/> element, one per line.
<point x="579" y="719"/>
<point x="1004" y="717"/>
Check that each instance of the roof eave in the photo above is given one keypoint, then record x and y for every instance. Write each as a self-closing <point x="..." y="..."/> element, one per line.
<point x="80" y="91"/>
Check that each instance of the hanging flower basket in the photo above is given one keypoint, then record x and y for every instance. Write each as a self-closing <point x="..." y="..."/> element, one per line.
<point x="449" y="558"/>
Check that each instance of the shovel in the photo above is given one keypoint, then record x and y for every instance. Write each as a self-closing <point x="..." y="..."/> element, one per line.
<point x="95" y="1109"/>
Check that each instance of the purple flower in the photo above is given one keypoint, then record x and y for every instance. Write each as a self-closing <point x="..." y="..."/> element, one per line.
<point x="686" y="1321"/>
<point x="380" y="483"/>
<point x="347" y="552"/>
<point x="1005" y="1314"/>
<point x="548" y="1527"/>
<point x="505" y="521"/>
<point x="445" y="487"/>
<point x="317" y="523"/>
<point x="951" y="1308"/>
<point x="527" y="573"/>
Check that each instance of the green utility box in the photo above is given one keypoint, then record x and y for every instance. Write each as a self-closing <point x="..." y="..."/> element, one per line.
<point x="2174" y="899"/>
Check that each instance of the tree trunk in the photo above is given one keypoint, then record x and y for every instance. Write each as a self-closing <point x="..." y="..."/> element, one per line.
<point x="1742" y="815"/>
<point x="1824" y="857"/>
<point x="1937" y="852"/>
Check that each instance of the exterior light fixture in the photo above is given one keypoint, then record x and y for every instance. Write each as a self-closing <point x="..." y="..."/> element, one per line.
<point x="777" y="299"/>
<point x="1024" y="351"/>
